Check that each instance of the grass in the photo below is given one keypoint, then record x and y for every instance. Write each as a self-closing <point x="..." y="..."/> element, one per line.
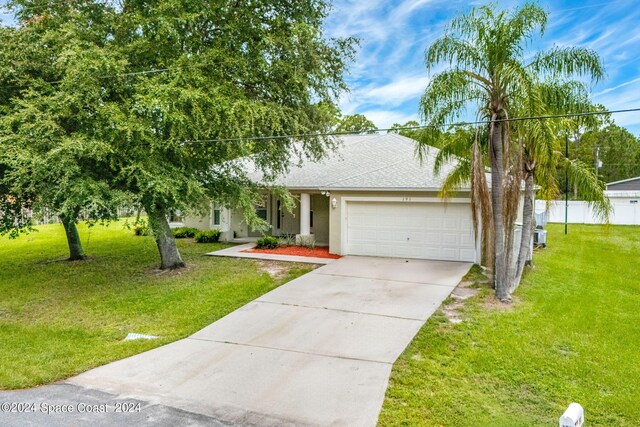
<point x="573" y="334"/>
<point x="59" y="318"/>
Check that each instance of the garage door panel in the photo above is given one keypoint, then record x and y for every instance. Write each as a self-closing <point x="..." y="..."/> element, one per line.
<point x="466" y="253"/>
<point x="450" y="239"/>
<point x="410" y="230"/>
<point x="467" y="241"/>
<point x="434" y="237"/>
<point x="451" y="224"/>
<point x="435" y="223"/>
<point x="450" y="254"/>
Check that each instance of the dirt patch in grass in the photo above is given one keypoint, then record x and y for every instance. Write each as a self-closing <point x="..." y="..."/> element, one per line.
<point x="280" y="270"/>
<point x="172" y="272"/>
<point x="316" y="252"/>
<point x="277" y="270"/>
<point x="471" y="285"/>
<point x="493" y="303"/>
<point x="455" y="303"/>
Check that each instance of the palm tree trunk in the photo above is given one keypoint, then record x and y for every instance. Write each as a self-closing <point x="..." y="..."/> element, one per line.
<point x="497" y="196"/>
<point x="73" y="239"/>
<point x="169" y="255"/>
<point x="527" y="229"/>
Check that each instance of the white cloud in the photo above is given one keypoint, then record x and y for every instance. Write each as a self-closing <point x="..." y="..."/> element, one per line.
<point x="619" y="86"/>
<point x="410" y="6"/>
<point x="396" y="92"/>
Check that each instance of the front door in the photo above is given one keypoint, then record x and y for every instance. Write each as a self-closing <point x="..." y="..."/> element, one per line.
<point x="262" y="211"/>
<point x="286" y="222"/>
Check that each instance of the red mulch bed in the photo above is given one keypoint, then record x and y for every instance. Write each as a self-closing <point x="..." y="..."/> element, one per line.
<point x="317" y="252"/>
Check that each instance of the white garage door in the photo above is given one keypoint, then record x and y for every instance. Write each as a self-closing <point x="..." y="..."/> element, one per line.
<point x="411" y="230"/>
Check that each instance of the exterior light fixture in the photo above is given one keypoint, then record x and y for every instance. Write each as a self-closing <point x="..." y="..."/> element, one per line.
<point x="334" y="203"/>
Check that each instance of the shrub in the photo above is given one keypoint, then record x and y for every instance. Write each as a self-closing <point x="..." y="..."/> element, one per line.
<point x="184" y="232"/>
<point x="208" y="236"/>
<point x="267" y="242"/>
<point x="307" y="242"/>
<point x="141" y="229"/>
<point x="288" y="239"/>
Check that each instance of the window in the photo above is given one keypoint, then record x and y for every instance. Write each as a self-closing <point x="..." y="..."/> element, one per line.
<point x="311" y="219"/>
<point x="216" y="214"/>
<point x="279" y="212"/>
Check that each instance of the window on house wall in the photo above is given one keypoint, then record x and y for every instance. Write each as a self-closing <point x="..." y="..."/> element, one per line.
<point x="279" y="213"/>
<point x="311" y="219"/>
<point x="216" y="214"/>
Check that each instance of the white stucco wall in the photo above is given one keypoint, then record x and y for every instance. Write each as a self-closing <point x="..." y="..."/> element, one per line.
<point x="206" y="223"/>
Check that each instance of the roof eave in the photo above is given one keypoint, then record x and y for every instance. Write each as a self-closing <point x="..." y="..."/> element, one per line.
<point x="622" y="181"/>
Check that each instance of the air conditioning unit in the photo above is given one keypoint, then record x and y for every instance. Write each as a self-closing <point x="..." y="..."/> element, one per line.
<point x="541" y="218"/>
<point x="540" y="238"/>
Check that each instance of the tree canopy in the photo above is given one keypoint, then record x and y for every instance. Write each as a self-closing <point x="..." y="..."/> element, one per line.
<point x="617" y="149"/>
<point x="54" y="155"/>
<point x="154" y="99"/>
<point x="356" y="123"/>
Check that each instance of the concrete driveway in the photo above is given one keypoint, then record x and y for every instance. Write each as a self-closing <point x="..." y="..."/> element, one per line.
<point x="316" y="351"/>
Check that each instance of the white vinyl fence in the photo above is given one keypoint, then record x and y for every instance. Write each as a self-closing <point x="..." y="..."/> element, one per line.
<point x="626" y="210"/>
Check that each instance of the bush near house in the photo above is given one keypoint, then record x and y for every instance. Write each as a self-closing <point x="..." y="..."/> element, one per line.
<point x="267" y="242"/>
<point x="141" y="229"/>
<point x="184" y="232"/>
<point x="208" y="236"/>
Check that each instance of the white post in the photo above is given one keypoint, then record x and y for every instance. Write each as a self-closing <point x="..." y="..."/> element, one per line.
<point x="305" y="214"/>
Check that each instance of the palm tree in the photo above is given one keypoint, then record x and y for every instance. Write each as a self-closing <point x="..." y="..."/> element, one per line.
<point x="541" y="144"/>
<point x="490" y="70"/>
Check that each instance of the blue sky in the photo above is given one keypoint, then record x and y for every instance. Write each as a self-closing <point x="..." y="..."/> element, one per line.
<point x="388" y="75"/>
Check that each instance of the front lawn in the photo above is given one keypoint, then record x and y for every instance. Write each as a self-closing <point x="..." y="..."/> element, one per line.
<point x="59" y="318"/>
<point x="573" y="334"/>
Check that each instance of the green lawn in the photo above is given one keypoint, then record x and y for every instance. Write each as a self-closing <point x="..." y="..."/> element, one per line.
<point x="572" y="335"/>
<point x="59" y="318"/>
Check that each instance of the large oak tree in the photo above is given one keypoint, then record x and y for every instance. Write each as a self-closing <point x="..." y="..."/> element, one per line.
<point x="160" y="100"/>
<point x="226" y="70"/>
<point x="55" y="106"/>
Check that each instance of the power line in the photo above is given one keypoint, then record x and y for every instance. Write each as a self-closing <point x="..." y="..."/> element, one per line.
<point x="443" y="125"/>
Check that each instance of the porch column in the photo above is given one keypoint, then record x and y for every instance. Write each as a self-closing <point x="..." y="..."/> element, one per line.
<point x="305" y="214"/>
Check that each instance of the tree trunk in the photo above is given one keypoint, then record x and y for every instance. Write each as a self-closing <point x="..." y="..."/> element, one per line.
<point x="169" y="255"/>
<point x="527" y="229"/>
<point x="73" y="239"/>
<point x="497" y="195"/>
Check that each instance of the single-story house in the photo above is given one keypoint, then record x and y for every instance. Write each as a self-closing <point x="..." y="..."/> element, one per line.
<point x="631" y="184"/>
<point x="372" y="196"/>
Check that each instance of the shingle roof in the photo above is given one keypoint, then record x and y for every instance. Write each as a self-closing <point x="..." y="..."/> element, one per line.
<point x="368" y="162"/>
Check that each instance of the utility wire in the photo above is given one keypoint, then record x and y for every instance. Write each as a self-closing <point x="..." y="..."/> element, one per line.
<point x="438" y="126"/>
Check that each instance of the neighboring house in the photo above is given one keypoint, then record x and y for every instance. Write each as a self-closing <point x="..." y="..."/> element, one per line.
<point x="373" y="197"/>
<point x="631" y="184"/>
<point x="624" y="196"/>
